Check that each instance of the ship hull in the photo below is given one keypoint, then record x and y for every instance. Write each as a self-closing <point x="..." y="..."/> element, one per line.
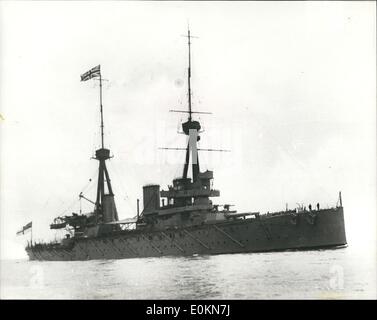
<point x="306" y="230"/>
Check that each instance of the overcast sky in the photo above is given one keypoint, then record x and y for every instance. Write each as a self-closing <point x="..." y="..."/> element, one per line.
<point x="291" y="85"/>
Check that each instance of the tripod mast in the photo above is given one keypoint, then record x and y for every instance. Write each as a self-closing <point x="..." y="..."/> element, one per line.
<point x="105" y="209"/>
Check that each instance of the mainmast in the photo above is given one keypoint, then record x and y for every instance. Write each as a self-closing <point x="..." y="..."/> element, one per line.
<point x="189" y="74"/>
<point x="100" y="98"/>
<point x="105" y="209"/>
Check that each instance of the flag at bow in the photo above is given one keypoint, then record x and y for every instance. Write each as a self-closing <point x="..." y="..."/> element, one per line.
<point x="92" y="73"/>
<point x="25" y="228"/>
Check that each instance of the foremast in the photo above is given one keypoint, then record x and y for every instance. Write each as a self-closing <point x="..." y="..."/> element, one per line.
<point x="191" y="128"/>
<point x="184" y="191"/>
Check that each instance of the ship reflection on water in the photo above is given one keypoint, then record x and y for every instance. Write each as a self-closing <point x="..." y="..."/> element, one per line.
<point x="316" y="274"/>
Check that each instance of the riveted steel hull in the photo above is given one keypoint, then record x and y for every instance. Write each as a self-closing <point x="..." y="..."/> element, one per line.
<point x="319" y="229"/>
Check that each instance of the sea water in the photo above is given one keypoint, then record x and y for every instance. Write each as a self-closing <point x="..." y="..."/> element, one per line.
<point x="317" y="274"/>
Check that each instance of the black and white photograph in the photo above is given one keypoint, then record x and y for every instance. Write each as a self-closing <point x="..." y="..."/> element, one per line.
<point x="188" y="150"/>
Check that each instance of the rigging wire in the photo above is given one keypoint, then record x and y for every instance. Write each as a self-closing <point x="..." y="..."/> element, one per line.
<point x="119" y="181"/>
<point x="74" y="202"/>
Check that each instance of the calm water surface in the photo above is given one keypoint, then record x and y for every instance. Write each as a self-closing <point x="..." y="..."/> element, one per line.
<point x="320" y="274"/>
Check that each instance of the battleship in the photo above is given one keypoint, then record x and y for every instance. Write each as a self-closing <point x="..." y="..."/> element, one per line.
<point x="183" y="220"/>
